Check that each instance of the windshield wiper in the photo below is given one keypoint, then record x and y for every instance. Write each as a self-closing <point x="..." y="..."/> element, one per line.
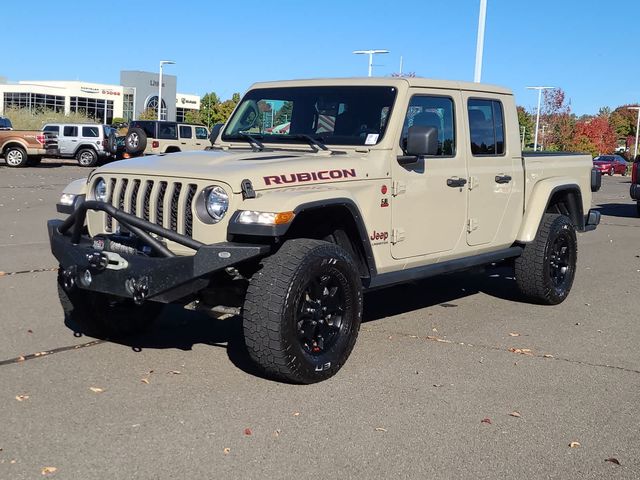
<point x="256" y="144"/>
<point x="314" y="142"/>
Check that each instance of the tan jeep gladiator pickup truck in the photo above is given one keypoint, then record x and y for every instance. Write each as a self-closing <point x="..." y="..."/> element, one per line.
<point x="26" y="147"/>
<point x="374" y="182"/>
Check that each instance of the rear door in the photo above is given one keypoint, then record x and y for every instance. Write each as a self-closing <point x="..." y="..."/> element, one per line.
<point x="495" y="172"/>
<point x="186" y="136"/>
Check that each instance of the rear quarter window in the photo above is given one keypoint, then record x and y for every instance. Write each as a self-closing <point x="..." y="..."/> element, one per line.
<point x="167" y="131"/>
<point x="90" y="132"/>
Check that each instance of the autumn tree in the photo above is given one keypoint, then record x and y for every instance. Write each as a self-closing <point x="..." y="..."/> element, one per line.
<point x="596" y="136"/>
<point x="556" y="121"/>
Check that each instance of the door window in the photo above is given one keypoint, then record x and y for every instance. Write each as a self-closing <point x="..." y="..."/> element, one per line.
<point x="70" y="131"/>
<point x="431" y="111"/>
<point x="201" y="133"/>
<point x="486" y="127"/>
<point x="185" y="131"/>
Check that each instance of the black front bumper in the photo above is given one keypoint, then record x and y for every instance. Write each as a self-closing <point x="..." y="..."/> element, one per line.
<point x="158" y="274"/>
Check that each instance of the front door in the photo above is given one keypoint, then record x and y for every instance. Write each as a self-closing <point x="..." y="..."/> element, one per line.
<point x="429" y="197"/>
<point x="494" y="173"/>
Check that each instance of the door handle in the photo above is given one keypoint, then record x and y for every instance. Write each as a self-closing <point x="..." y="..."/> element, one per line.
<point x="456" y="182"/>
<point x="503" y="178"/>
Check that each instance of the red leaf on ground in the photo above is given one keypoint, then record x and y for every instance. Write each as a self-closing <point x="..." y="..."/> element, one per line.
<point x="486" y="420"/>
<point x="247" y="431"/>
<point x="613" y="460"/>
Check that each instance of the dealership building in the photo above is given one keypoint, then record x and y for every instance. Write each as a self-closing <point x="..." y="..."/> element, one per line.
<point x="137" y="92"/>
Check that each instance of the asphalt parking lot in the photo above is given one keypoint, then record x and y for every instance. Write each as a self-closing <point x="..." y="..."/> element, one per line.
<point x="451" y="377"/>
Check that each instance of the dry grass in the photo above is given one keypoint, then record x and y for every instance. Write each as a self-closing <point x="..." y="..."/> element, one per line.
<point x="22" y="119"/>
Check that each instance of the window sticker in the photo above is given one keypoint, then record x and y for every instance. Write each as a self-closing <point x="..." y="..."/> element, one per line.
<point x="372" y="138"/>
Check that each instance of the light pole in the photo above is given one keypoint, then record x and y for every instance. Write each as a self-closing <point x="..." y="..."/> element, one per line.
<point x="480" y="41"/>
<point x="162" y="63"/>
<point x="371" y="53"/>
<point x="535" y="142"/>
<point x="635" y="153"/>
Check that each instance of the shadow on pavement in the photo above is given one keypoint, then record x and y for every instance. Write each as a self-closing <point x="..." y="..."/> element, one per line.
<point x="182" y="329"/>
<point x="622" y="210"/>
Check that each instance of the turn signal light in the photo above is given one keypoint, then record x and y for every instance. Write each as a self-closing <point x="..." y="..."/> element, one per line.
<point x="283" y="217"/>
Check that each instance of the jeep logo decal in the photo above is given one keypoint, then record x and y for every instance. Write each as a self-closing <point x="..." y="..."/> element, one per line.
<point x="309" y="176"/>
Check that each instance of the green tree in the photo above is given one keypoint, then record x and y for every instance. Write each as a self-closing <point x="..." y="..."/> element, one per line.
<point x="526" y="121"/>
<point x="284" y="114"/>
<point x="193" y="116"/>
<point x="222" y="111"/>
<point x="207" y="108"/>
<point x="148" y="114"/>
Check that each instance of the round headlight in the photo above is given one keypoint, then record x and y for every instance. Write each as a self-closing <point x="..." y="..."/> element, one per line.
<point x="100" y="190"/>
<point x="217" y="202"/>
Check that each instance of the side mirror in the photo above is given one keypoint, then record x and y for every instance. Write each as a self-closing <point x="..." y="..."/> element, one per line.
<point x="215" y="131"/>
<point x="421" y="142"/>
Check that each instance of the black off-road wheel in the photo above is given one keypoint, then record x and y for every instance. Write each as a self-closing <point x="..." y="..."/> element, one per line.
<point x="546" y="269"/>
<point x="136" y="141"/>
<point x="100" y="315"/>
<point x="302" y="311"/>
<point x="87" y="157"/>
<point x="15" y="157"/>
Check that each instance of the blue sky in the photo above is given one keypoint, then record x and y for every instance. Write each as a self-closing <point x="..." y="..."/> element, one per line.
<point x="586" y="47"/>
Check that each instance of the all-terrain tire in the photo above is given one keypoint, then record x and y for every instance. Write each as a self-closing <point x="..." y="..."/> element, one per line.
<point x="136" y="141"/>
<point x="99" y="315"/>
<point x="284" y="328"/>
<point x="87" y="157"/>
<point x="15" y="157"/>
<point x="546" y="269"/>
<point x="112" y="143"/>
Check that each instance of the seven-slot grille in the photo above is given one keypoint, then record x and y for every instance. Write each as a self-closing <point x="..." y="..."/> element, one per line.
<point x="169" y="204"/>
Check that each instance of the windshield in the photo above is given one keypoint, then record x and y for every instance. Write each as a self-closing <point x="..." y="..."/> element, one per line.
<point x="334" y="115"/>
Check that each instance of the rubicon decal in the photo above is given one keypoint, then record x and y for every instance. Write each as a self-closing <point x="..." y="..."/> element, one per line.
<point x="310" y="176"/>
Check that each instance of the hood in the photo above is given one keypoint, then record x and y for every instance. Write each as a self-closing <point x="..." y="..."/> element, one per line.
<point x="602" y="162"/>
<point x="273" y="169"/>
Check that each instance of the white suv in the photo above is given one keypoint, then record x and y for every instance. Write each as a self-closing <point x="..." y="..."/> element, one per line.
<point x="86" y="142"/>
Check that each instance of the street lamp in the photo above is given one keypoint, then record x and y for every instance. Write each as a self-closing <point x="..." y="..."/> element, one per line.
<point x="371" y="53"/>
<point x="480" y="41"/>
<point x="162" y="63"/>
<point x="635" y="153"/>
<point x="535" y="142"/>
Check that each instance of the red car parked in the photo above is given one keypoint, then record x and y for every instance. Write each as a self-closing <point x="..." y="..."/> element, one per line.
<point x="610" y="164"/>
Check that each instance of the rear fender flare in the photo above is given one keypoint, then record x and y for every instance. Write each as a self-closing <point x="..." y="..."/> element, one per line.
<point x="538" y="203"/>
